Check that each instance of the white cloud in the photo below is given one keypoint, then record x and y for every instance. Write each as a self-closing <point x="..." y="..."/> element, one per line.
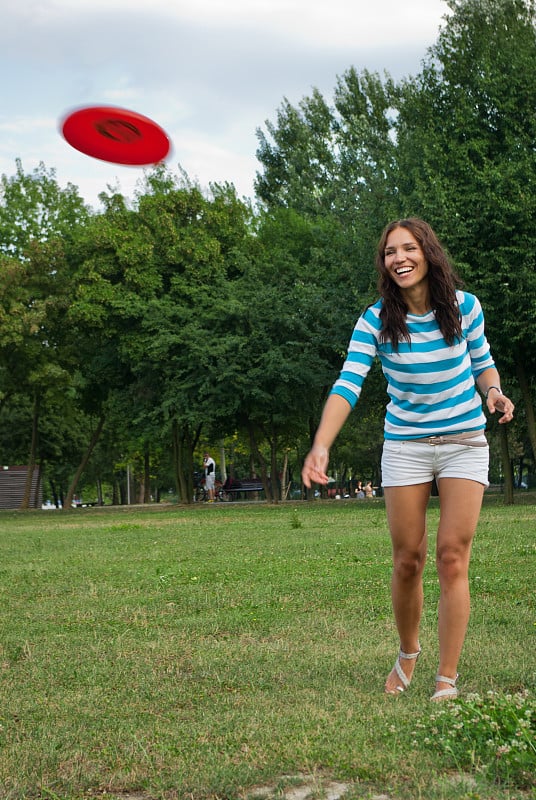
<point x="208" y="71"/>
<point x="322" y="24"/>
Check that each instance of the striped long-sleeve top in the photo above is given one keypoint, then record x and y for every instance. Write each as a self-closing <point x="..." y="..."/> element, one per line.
<point x="431" y="385"/>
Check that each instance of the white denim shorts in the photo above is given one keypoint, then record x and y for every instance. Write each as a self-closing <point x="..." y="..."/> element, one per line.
<point x="406" y="463"/>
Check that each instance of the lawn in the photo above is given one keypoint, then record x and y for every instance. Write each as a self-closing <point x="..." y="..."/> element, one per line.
<point x="203" y="652"/>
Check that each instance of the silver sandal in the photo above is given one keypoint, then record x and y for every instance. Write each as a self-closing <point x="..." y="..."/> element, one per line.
<point x="404" y="680"/>
<point x="450" y="693"/>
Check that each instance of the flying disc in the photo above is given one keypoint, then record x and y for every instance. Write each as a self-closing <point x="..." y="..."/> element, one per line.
<point x="116" y="134"/>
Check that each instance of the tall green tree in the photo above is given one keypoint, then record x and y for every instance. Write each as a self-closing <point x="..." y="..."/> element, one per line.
<point x="156" y="289"/>
<point x="286" y="333"/>
<point x="333" y="166"/>
<point x="186" y="346"/>
<point x="115" y="281"/>
<point x="466" y="161"/>
<point x="37" y="218"/>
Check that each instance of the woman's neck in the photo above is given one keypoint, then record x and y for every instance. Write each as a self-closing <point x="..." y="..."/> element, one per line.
<point x="418" y="300"/>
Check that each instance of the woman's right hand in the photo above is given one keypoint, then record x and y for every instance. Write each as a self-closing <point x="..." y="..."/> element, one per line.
<point x="333" y="418"/>
<point x="315" y="466"/>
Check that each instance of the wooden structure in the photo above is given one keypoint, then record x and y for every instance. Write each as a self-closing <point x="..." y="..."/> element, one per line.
<point x="12" y="483"/>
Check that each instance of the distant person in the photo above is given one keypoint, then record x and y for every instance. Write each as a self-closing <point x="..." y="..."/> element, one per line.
<point x="429" y="336"/>
<point x="369" y="491"/>
<point x="210" y="476"/>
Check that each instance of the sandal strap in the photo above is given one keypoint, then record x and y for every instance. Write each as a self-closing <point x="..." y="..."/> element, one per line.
<point x="444" y="679"/>
<point x="450" y="692"/>
<point x="403" y="677"/>
<point x="400" y="672"/>
<point x="401" y="654"/>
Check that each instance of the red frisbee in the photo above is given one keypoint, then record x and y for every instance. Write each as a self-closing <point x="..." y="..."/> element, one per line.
<point x="116" y="134"/>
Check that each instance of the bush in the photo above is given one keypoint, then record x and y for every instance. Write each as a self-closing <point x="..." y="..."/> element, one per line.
<point x="495" y="735"/>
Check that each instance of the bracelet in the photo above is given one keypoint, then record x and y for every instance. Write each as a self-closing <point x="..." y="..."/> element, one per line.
<point x="498" y="388"/>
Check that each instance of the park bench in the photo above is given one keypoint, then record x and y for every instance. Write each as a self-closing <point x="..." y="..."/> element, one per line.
<point x="247" y="485"/>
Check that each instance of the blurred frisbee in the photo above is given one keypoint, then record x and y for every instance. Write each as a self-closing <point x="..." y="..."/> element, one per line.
<point x="116" y="134"/>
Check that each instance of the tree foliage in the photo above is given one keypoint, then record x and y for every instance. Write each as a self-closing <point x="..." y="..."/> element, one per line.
<point x="466" y="161"/>
<point x="455" y="145"/>
<point x="185" y="318"/>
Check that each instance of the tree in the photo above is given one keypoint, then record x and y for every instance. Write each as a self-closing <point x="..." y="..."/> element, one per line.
<point x="33" y="208"/>
<point x="187" y="349"/>
<point x="466" y="133"/>
<point x="331" y="167"/>
<point x="37" y="218"/>
<point x="157" y="288"/>
<point x="34" y="297"/>
<point x="284" y="336"/>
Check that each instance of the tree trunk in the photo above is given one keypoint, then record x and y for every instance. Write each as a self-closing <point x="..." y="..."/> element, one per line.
<point x="55" y="495"/>
<point x="524" y="385"/>
<point x="260" y="458"/>
<point x="507" y="467"/>
<point x="274" y="472"/>
<point x="184" y="495"/>
<point x="518" y="478"/>
<point x="223" y="465"/>
<point x="285" y="483"/>
<point x="184" y="444"/>
<point x="38" y="485"/>
<point x="78" y="474"/>
<point x="25" y="502"/>
<point x="146" y="474"/>
<point x="141" y="490"/>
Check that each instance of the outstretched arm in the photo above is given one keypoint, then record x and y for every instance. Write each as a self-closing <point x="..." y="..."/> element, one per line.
<point x="334" y="415"/>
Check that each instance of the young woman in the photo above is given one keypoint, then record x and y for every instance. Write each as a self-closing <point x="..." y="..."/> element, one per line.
<point x="430" y="339"/>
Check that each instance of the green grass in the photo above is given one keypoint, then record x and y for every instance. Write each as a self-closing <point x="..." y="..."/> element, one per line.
<point x="200" y="652"/>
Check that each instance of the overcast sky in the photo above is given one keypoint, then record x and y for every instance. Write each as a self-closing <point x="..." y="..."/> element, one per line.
<point x="210" y="72"/>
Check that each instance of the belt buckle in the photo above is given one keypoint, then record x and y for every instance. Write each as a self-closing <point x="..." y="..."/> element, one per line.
<point x="434" y="440"/>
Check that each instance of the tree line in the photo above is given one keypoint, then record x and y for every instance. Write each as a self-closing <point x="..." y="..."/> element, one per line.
<point x="133" y="337"/>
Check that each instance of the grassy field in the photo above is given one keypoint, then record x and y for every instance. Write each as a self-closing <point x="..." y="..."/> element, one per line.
<point x="204" y="652"/>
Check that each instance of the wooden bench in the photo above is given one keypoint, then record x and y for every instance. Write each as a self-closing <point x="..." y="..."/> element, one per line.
<point x="246" y="485"/>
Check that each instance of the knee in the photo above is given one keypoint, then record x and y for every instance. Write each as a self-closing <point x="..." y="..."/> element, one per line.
<point x="409" y="565"/>
<point x="452" y="563"/>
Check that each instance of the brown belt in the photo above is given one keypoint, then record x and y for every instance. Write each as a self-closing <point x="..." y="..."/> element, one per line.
<point x="470" y="439"/>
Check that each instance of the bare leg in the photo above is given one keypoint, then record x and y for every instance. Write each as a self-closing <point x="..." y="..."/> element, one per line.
<point x="460" y="500"/>
<point x="406" y="516"/>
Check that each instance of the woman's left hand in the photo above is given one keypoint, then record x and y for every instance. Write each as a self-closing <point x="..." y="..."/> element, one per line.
<point x="500" y="402"/>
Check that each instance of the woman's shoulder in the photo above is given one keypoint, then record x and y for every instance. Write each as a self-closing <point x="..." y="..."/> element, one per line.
<point x="371" y="314"/>
<point x="467" y="302"/>
<point x="373" y="308"/>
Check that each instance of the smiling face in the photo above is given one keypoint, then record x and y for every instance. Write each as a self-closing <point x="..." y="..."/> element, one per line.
<point x="404" y="260"/>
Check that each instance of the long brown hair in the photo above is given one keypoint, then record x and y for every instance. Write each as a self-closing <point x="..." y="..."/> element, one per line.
<point x="443" y="281"/>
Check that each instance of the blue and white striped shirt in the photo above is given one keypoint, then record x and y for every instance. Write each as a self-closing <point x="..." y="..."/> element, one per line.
<point x="431" y="385"/>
